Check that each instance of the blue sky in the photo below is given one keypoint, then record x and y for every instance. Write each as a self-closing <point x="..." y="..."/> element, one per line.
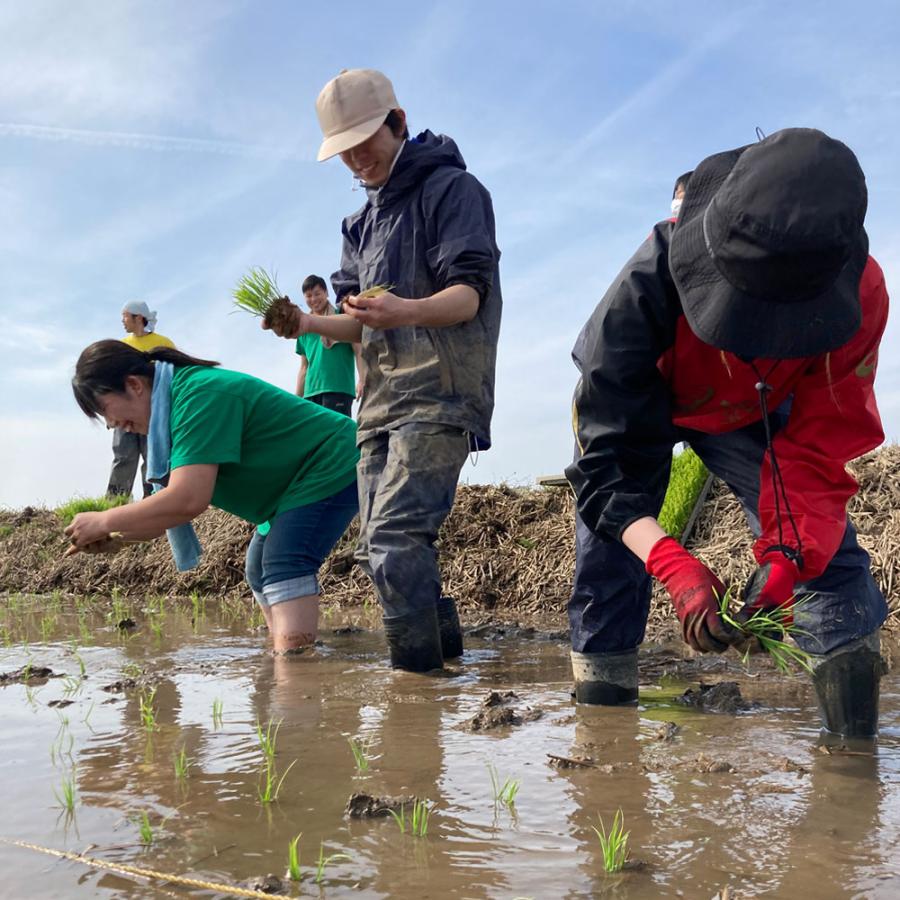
<point x="156" y="150"/>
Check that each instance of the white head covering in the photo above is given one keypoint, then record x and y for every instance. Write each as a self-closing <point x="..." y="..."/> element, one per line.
<point x="139" y="308"/>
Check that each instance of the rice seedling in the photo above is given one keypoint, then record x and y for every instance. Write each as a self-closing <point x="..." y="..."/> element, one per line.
<point x="324" y="861"/>
<point x="360" y="752"/>
<point x="269" y="783"/>
<point x="82" y="669"/>
<point x="217" y="713"/>
<point x="268" y="738"/>
<point x="145" y="829"/>
<point x="293" y="870"/>
<point x="418" y="821"/>
<point x="76" y="505"/>
<point x="198" y="609"/>
<point x="613" y="845"/>
<point x="503" y="793"/>
<point x="258" y="293"/>
<point x="67" y="795"/>
<point x="148" y="713"/>
<point x="182" y="764"/>
<point x="770" y="628"/>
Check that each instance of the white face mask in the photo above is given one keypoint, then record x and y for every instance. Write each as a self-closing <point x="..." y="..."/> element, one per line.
<point x="676" y="206"/>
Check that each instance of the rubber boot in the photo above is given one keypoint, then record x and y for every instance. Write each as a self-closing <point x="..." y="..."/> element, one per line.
<point x="414" y="641"/>
<point x="606" y="679"/>
<point x="846" y="684"/>
<point x="451" y="631"/>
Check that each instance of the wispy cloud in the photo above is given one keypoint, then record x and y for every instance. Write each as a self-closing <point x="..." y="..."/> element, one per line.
<point x="152" y="142"/>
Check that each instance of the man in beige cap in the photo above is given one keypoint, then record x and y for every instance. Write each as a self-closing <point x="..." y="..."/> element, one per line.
<point x="429" y="346"/>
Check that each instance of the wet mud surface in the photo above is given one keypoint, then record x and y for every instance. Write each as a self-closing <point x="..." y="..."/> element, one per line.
<point x="740" y="802"/>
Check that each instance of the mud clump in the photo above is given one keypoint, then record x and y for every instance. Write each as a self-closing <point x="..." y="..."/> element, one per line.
<point x="266" y="884"/>
<point x="27" y="675"/>
<point x="666" y="732"/>
<point x="722" y="697"/>
<point x="497" y="711"/>
<point x="711" y="765"/>
<point x="279" y="314"/>
<point x="368" y="806"/>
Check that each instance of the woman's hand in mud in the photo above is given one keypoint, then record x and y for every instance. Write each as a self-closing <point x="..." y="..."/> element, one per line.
<point x="87" y="528"/>
<point x="387" y="310"/>
<point x="291" y="323"/>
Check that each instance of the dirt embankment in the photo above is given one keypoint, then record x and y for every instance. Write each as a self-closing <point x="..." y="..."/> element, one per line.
<point x="505" y="552"/>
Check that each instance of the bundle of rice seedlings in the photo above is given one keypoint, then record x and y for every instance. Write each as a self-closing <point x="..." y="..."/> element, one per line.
<point x="769" y="628"/>
<point x="258" y="293"/>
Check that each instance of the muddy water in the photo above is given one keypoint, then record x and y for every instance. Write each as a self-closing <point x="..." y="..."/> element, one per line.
<point x="711" y="801"/>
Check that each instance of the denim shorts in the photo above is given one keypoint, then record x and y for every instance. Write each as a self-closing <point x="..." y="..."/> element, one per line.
<point x="284" y="564"/>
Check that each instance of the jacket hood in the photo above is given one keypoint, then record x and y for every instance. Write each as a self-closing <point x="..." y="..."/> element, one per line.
<point x="419" y="158"/>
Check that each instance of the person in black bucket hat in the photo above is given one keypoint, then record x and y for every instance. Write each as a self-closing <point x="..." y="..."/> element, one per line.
<point x="750" y="329"/>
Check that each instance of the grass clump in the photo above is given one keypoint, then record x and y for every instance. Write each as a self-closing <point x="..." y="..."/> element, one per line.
<point x="76" y="505"/>
<point x="614" y="844"/>
<point x="685" y="483"/>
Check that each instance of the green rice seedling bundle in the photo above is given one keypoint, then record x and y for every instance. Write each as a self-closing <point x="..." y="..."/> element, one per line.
<point x="685" y="484"/>
<point x="293" y="870"/>
<point x="258" y="294"/>
<point x="769" y="628"/>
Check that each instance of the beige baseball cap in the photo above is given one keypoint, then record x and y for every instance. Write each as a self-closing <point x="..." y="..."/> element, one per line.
<point x="352" y="107"/>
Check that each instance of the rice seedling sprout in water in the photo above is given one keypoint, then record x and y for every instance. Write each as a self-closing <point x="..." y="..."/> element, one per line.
<point x="182" y="764"/>
<point x="360" y="752"/>
<point x="148" y="713"/>
<point x="770" y="628"/>
<point x="293" y="870"/>
<point x="145" y="829"/>
<point x="217" y="713"/>
<point x="324" y="861"/>
<point x="268" y="738"/>
<point x="614" y="844"/>
<point x="67" y="796"/>
<point x="418" y="822"/>
<point x="503" y="793"/>
<point x="269" y="783"/>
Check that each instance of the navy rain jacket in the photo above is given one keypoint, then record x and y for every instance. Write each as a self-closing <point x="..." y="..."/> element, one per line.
<point x="431" y="225"/>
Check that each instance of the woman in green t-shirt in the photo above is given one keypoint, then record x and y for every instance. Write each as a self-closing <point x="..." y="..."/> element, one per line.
<point x="237" y="443"/>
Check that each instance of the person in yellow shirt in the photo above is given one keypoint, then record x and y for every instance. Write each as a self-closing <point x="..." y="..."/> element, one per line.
<point x="130" y="449"/>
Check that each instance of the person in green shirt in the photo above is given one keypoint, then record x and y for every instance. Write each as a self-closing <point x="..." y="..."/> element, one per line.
<point x="237" y="443"/>
<point x="326" y="374"/>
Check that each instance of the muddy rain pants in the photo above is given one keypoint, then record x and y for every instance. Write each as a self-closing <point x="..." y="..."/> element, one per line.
<point x="610" y="599"/>
<point x="407" y="483"/>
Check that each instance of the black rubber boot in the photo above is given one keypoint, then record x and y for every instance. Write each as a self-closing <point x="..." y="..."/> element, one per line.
<point x="606" y="679"/>
<point x="414" y="641"/>
<point x="451" y="631"/>
<point x="846" y="681"/>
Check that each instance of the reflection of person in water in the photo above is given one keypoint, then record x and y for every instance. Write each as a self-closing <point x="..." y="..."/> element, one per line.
<point x="237" y="443"/>
<point x="750" y="328"/>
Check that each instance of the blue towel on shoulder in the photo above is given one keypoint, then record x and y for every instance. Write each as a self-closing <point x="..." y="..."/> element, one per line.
<point x="186" y="549"/>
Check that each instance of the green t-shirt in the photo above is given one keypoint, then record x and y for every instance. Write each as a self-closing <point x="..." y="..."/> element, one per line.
<point x="327" y="368"/>
<point x="274" y="450"/>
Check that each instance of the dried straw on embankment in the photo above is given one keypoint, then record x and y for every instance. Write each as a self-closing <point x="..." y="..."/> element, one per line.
<point x="505" y="551"/>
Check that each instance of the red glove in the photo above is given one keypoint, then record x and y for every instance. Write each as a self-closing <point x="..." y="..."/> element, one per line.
<point x="695" y="594"/>
<point x="771" y="586"/>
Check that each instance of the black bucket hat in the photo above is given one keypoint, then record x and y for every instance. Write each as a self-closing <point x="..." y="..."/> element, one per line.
<point x="769" y="247"/>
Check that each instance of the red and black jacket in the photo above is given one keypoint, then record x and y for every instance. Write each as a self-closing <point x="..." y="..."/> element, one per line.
<point x="644" y="374"/>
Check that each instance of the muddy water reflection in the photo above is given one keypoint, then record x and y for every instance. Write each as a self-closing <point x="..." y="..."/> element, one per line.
<point x="744" y="801"/>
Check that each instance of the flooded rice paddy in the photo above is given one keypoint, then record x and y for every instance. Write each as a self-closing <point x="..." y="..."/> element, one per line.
<point x="143" y="747"/>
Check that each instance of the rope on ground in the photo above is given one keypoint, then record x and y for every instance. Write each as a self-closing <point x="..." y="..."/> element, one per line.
<point x="139" y="871"/>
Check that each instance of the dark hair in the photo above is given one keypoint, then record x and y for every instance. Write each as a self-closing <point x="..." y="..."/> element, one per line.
<point x="313" y="281"/>
<point x="103" y="367"/>
<point x="395" y="123"/>
<point x="682" y="182"/>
